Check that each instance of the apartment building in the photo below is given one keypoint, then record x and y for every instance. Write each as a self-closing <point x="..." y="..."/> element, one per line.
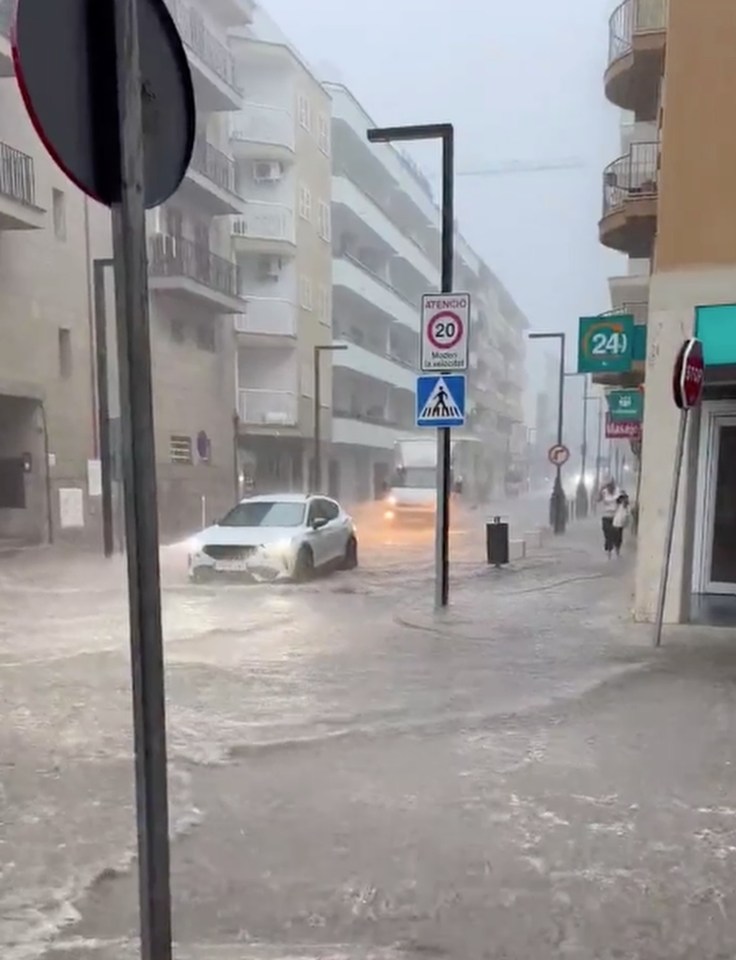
<point x="674" y="205"/>
<point x="50" y="234"/>
<point x="386" y="246"/>
<point x="282" y="238"/>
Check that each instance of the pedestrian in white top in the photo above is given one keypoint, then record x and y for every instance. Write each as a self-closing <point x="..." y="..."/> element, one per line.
<point x="612" y="536"/>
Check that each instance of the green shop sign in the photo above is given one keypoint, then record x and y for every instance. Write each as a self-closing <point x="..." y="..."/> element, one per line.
<point x="626" y="405"/>
<point x="606" y="344"/>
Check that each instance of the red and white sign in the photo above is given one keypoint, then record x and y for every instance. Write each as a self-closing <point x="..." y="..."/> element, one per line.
<point x="622" y="429"/>
<point x="688" y="378"/>
<point x="558" y="455"/>
<point x="445" y="338"/>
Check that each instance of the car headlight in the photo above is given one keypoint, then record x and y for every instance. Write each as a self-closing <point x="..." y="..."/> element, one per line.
<point x="194" y="544"/>
<point x="391" y="501"/>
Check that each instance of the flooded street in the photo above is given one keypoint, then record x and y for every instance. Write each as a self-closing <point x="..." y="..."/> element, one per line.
<point x="353" y="776"/>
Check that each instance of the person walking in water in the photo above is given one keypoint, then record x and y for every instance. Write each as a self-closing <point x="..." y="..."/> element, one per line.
<point x="612" y="536"/>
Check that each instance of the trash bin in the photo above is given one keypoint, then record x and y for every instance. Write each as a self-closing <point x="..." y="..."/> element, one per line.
<point x="497" y="542"/>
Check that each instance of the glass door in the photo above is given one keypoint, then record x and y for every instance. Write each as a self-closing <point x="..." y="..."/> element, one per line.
<point x="720" y="558"/>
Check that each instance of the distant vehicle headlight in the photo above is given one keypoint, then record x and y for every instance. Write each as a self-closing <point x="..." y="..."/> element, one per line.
<point x="194" y="544"/>
<point x="391" y="501"/>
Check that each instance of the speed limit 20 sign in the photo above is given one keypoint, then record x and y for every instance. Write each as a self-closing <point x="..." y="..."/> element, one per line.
<point x="445" y="332"/>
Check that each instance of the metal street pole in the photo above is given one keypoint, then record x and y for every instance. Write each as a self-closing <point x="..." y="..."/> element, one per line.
<point x="141" y="508"/>
<point x="581" y="494"/>
<point x="103" y="403"/>
<point x="444" y="132"/>
<point x="558" y="506"/>
<point x="319" y="349"/>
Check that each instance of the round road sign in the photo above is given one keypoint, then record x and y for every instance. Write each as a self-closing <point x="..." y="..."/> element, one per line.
<point x="558" y="455"/>
<point x="65" y="63"/>
<point x="445" y="330"/>
<point x="688" y="377"/>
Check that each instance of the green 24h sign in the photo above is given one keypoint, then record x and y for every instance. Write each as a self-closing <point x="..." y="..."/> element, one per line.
<point x="606" y="344"/>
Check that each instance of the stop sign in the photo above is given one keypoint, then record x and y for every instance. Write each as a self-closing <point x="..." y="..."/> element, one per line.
<point x="689" y="375"/>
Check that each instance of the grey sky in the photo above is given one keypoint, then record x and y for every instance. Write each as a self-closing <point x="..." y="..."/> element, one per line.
<point x="521" y="80"/>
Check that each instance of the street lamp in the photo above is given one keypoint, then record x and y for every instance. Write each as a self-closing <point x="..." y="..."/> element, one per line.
<point x="558" y="506"/>
<point x="444" y="132"/>
<point x="318" y="351"/>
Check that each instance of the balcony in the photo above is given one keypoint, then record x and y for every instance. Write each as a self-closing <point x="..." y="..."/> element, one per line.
<point x="630" y="201"/>
<point x="369" y="364"/>
<point x="637" y="34"/>
<point x="268" y="408"/>
<point x="350" y="274"/>
<point x="18" y="209"/>
<point x="265" y="228"/>
<point x="210" y="180"/>
<point x="267" y="317"/>
<point x="261" y="132"/>
<point x="183" y="269"/>
<point x="6" y="56"/>
<point x="363" y="431"/>
<point x="212" y="65"/>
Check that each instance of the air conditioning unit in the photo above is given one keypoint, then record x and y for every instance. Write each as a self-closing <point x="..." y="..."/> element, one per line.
<point x="269" y="268"/>
<point x="267" y="171"/>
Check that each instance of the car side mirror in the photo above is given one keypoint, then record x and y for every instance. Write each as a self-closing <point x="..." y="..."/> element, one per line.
<point x="319" y="522"/>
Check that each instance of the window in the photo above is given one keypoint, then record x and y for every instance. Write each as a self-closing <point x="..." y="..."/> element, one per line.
<point x="180" y="449"/>
<point x="305" y="112"/>
<point x="305" y="293"/>
<point x="324" y="225"/>
<point x="305" y="202"/>
<point x="178" y="330"/>
<point x="207" y="336"/>
<point x="58" y="202"/>
<point x="265" y="513"/>
<point x="323" y="134"/>
<point x="65" y="353"/>
<point x="323" y="304"/>
<point x="321" y="509"/>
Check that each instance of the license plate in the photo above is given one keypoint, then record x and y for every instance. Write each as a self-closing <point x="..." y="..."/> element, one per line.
<point x="231" y="566"/>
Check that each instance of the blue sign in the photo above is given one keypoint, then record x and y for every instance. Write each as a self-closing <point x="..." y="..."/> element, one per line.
<point x="441" y="400"/>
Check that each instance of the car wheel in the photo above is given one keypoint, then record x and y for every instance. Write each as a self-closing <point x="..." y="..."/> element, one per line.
<point x="304" y="566"/>
<point x="350" y="561"/>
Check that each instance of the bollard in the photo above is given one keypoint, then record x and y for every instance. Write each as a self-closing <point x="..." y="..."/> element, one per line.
<point x="497" y="542"/>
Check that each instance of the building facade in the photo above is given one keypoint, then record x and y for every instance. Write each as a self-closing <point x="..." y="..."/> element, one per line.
<point x="676" y="208"/>
<point x="386" y="248"/>
<point x="281" y="142"/>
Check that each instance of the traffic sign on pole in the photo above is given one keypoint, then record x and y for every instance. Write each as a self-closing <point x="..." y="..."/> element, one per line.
<point x="622" y="429"/>
<point x="626" y="405"/>
<point x="606" y="344"/>
<point x="558" y="455"/>
<point x="445" y="336"/>
<point x="688" y="377"/>
<point x="440" y="401"/>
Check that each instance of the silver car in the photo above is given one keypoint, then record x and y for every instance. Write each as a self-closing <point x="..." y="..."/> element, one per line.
<point x="269" y="537"/>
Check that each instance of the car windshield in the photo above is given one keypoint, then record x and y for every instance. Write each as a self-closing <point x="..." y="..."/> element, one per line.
<point x="267" y="513"/>
<point x="424" y="478"/>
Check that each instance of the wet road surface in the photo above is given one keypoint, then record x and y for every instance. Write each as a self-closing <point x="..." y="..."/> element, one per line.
<point x="353" y="776"/>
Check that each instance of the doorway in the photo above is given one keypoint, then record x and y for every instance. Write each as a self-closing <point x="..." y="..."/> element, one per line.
<point x="714" y="569"/>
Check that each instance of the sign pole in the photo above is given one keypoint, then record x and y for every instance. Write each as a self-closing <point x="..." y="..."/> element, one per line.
<point x="670" y="529"/>
<point x="103" y="404"/>
<point x="444" y="438"/>
<point x="141" y="512"/>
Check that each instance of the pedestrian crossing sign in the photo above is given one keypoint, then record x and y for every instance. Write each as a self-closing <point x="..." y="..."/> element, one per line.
<point x="441" y="401"/>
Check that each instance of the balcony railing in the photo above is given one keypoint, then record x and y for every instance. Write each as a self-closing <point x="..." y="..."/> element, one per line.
<point x="213" y="164"/>
<point x="200" y="40"/>
<point x="258" y="123"/>
<point x="171" y="256"/>
<point x="268" y="315"/>
<point x="265" y="221"/>
<point x="276" y="407"/>
<point x="632" y="17"/>
<point x="17" y="177"/>
<point x="639" y="311"/>
<point x="6" y="16"/>
<point x="631" y="177"/>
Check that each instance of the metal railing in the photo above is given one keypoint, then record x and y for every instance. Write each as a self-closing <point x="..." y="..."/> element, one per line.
<point x="6" y="16"/>
<point x="631" y="177"/>
<point x="201" y="41"/>
<point x="259" y="123"/>
<point x="171" y="256"/>
<point x="17" y="175"/>
<point x="213" y="164"/>
<point x="639" y="311"/>
<point x="265" y="221"/>
<point x="630" y="18"/>
<point x="268" y="315"/>
<point x="277" y="407"/>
